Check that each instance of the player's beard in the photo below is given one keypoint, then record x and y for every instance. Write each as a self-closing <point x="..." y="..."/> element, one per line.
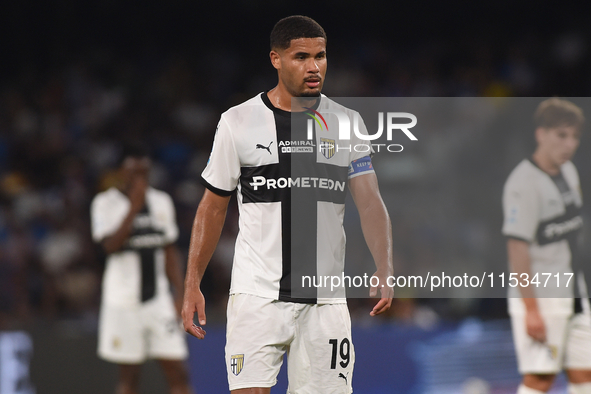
<point x="304" y="93"/>
<point x="310" y="94"/>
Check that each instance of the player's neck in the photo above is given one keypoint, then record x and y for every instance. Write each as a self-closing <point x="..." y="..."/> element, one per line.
<point x="545" y="163"/>
<point x="282" y="99"/>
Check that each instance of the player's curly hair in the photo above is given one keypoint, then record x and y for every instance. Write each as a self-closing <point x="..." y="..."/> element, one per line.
<point x="556" y="112"/>
<point x="292" y="28"/>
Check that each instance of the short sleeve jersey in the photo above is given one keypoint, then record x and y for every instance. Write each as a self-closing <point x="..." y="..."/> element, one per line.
<point x="290" y="172"/>
<point x="137" y="273"/>
<point x="544" y="211"/>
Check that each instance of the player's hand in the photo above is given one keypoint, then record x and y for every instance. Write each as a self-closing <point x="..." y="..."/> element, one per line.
<point x="137" y="193"/>
<point x="535" y="326"/>
<point x="194" y="302"/>
<point x="386" y="293"/>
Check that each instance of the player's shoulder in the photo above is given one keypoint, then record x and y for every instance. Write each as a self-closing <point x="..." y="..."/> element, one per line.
<point x="158" y="194"/>
<point x="524" y="169"/>
<point x="569" y="169"/>
<point x="108" y="196"/>
<point x="522" y="175"/>
<point x="571" y="175"/>
<point x="236" y="112"/>
<point x="326" y="103"/>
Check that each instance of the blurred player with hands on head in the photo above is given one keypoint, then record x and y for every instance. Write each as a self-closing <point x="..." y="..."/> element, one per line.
<point x="551" y="329"/>
<point x="291" y="207"/>
<point x="139" y="319"/>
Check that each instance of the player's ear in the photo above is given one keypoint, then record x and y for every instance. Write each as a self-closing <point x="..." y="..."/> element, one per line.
<point x="275" y="59"/>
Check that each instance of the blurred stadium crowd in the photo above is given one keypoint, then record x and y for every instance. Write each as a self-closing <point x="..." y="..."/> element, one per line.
<point x="62" y="124"/>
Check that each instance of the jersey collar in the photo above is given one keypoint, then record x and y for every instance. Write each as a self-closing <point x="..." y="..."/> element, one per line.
<point x="281" y="112"/>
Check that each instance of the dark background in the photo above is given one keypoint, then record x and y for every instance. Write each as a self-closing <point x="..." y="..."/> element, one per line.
<point x="78" y="79"/>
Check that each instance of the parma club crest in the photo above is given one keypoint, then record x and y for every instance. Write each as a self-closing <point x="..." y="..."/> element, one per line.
<point x="236" y="363"/>
<point x="327" y="147"/>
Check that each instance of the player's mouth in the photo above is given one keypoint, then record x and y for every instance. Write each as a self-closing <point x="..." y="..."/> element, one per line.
<point x="312" y="83"/>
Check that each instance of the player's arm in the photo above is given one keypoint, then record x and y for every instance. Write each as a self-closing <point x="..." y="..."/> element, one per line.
<point x="207" y="228"/>
<point x="113" y="243"/>
<point x="174" y="274"/>
<point x="377" y="231"/>
<point x="521" y="219"/>
<point x="520" y="263"/>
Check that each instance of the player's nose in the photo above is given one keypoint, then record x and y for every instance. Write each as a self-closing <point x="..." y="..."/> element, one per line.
<point x="313" y="66"/>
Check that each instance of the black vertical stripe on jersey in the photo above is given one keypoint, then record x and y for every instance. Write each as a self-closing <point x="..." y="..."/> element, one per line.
<point x="297" y="247"/>
<point x="572" y="237"/>
<point x="148" y="263"/>
<point x="147" y="256"/>
<point x="282" y="127"/>
<point x="303" y="209"/>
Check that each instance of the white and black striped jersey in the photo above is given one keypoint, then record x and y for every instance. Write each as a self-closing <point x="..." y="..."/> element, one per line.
<point x="291" y="193"/>
<point x="137" y="273"/>
<point x="545" y="211"/>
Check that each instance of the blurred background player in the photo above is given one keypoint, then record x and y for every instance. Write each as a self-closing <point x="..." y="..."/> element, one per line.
<point x="136" y="226"/>
<point x="542" y="201"/>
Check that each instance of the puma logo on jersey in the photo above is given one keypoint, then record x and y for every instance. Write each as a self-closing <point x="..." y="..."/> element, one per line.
<point x="260" y="146"/>
<point x="343" y="376"/>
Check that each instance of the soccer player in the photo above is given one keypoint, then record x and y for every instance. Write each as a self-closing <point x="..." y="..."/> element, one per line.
<point x="136" y="226"/>
<point x="542" y="203"/>
<point x="291" y="194"/>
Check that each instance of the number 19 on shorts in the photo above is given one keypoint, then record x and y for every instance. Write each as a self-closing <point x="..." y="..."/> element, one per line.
<point x="340" y="351"/>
